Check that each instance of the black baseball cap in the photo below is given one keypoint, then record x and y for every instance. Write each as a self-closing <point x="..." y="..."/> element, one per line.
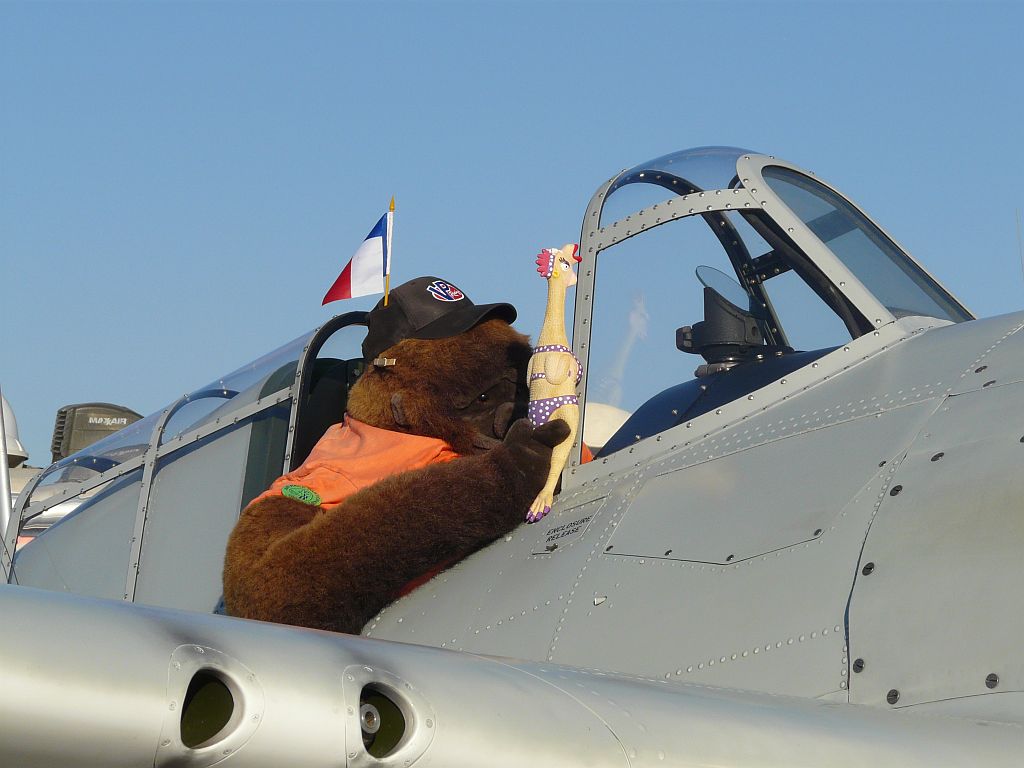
<point x="426" y="308"/>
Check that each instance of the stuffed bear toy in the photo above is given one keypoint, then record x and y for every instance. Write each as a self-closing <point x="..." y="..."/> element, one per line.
<point x="429" y="465"/>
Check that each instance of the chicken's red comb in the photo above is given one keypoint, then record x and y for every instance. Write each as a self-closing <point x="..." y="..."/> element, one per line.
<point x="545" y="263"/>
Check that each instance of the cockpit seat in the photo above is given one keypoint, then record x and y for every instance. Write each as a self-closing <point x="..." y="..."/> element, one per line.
<point x="688" y="400"/>
<point x="726" y="337"/>
<point x="325" y="404"/>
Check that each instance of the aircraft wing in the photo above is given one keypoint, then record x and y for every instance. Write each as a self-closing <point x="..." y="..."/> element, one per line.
<point x="90" y="682"/>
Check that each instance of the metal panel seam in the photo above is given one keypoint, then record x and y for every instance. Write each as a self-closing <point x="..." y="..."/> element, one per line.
<point x="605" y="723"/>
<point x="893" y="469"/>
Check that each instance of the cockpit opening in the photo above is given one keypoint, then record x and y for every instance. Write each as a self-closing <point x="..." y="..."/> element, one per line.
<point x="809" y="272"/>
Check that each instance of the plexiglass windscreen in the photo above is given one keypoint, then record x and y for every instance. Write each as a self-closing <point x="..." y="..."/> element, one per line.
<point x="270" y="373"/>
<point x="646" y="288"/>
<point x="896" y="281"/>
<point x="692" y="170"/>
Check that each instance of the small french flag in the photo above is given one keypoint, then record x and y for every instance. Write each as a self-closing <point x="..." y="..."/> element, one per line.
<point x="368" y="270"/>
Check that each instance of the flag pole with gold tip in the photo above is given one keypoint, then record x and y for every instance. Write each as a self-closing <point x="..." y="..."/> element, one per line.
<point x="387" y="259"/>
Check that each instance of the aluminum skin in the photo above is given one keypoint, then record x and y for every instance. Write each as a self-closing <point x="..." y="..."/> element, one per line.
<point x="112" y="685"/>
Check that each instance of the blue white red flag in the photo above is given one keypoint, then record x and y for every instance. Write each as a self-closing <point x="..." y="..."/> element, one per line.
<point x="368" y="270"/>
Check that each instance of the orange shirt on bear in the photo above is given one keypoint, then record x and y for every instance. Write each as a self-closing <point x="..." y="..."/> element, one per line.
<point x="352" y="456"/>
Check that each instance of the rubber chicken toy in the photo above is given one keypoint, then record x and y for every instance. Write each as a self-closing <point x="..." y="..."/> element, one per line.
<point x="554" y="371"/>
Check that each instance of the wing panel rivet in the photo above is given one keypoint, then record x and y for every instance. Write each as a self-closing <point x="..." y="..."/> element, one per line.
<point x="858" y="665"/>
<point x="896" y="490"/>
<point x="992" y="680"/>
<point x="938" y="456"/>
<point x="893" y="696"/>
<point x="867" y="569"/>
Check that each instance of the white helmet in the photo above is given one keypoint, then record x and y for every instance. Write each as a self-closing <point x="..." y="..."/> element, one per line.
<point x="15" y="452"/>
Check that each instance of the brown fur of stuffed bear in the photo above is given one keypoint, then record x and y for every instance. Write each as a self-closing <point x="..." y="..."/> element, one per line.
<point x="293" y="563"/>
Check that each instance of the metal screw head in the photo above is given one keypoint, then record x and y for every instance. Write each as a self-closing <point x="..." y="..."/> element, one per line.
<point x="896" y="490"/>
<point x="369" y="718"/>
<point x="867" y="569"/>
<point x="858" y="665"/>
<point x="893" y="696"/>
<point x="992" y="680"/>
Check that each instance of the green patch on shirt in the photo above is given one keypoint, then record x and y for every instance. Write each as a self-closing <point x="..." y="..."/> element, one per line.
<point x="302" y="494"/>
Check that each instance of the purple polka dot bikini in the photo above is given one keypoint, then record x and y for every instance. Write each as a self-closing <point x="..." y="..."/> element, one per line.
<point x="540" y="411"/>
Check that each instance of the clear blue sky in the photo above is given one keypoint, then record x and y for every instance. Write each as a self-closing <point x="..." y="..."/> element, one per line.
<point x="181" y="182"/>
